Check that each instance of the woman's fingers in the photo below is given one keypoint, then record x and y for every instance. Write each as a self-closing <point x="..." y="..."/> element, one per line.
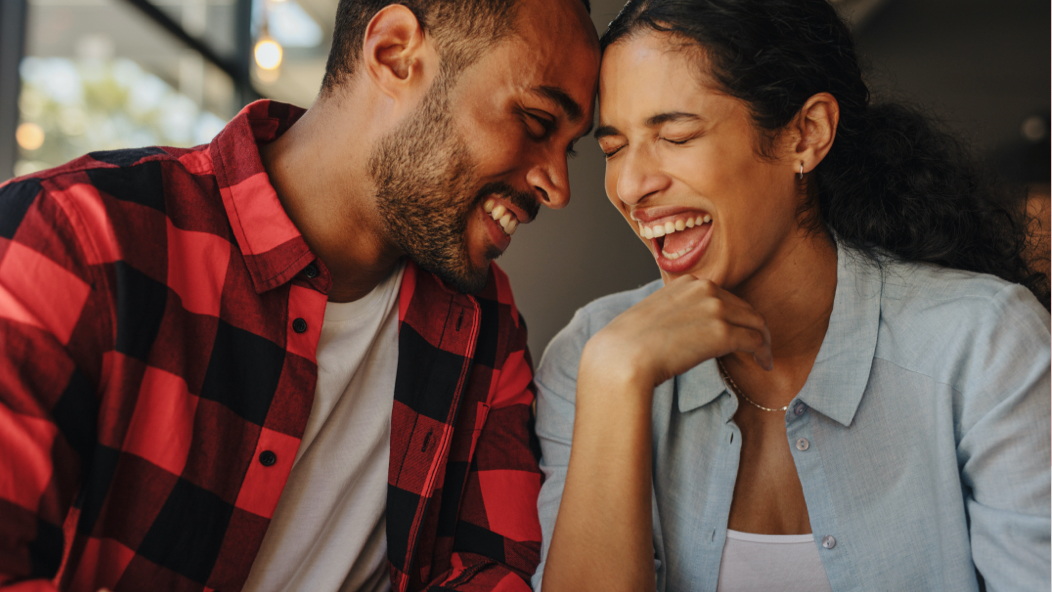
<point x="734" y="311"/>
<point x="758" y="341"/>
<point x="681" y="325"/>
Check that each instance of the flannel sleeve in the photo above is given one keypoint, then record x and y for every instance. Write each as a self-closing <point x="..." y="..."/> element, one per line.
<point x="497" y="540"/>
<point x="47" y="406"/>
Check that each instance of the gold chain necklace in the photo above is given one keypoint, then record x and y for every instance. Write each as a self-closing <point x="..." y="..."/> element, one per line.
<point x="738" y="391"/>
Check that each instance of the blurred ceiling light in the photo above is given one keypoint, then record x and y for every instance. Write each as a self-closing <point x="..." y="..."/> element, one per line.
<point x="268" y="52"/>
<point x="29" y="136"/>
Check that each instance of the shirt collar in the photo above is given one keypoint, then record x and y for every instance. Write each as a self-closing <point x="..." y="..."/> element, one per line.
<point x="273" y="249"/>
<point x="842" y="367"/>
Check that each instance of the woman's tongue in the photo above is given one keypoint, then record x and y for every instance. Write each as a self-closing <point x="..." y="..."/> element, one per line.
<point x="682" y="240"/>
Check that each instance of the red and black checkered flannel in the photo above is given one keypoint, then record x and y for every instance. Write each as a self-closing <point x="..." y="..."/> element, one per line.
<point x="159" y="319"/>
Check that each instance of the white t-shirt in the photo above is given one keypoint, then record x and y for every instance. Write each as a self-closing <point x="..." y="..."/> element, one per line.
<point x="761" y="562"/>
<point x="329" y="529"/>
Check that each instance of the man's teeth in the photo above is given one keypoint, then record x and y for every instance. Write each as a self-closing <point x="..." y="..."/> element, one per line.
<point x="659" y="230"/>
<point x="501" y="215"/>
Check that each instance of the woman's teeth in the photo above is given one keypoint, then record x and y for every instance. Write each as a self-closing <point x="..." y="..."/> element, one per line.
<point x="659" y="230"/>
<point x="501" y="215"/>
<point x="675" y="255"/>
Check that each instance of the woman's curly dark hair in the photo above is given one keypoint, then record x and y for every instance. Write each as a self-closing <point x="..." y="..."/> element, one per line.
<point x="893" y="181"/>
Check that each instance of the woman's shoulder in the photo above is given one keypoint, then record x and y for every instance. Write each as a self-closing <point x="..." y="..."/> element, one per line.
<point x="602" y="310"/>
<point x="927" y="292"/>
<point x="589" y="319"/>
<point x="595" y="315"/>
<point x="959" y="326"/>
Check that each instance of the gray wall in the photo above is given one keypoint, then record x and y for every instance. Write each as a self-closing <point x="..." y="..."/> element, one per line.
<point x="981" y="65"/>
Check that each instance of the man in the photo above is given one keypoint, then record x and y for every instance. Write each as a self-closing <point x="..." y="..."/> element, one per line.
<point x="200" y="347"/>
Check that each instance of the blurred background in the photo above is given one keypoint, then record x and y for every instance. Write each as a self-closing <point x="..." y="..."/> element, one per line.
<point x="83" y="75"/>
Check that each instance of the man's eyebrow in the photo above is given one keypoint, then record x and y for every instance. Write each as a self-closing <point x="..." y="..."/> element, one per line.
<point x="573" y="111"/>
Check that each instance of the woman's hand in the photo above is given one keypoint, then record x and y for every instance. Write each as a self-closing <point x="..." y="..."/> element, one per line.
<point x="686" y="322"/>
<point x="603" y="537"/>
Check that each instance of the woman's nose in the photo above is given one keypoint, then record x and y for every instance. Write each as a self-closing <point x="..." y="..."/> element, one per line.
<point x="638" y="177"/>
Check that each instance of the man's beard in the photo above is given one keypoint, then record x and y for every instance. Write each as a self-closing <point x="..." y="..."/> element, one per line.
<point x="425" y="180"/>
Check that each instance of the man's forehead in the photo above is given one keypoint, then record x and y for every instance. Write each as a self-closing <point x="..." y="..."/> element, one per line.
<point x="559" y="21"/>
<point x="559" y="38"/>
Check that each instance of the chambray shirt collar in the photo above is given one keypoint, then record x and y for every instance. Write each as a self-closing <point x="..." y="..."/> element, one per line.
<point x="842" y="367"/>
<point x="273" y="248"/>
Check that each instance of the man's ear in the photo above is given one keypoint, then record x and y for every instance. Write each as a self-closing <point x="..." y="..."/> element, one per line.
<point x="815" y="126"/>
<point x="396" y="55"/>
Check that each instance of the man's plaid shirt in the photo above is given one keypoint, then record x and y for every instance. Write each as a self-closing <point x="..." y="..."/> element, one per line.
<point x="159" y="319"/>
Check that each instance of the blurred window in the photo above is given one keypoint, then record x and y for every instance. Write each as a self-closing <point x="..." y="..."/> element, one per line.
<point x="99" y="75"/>
<point x="287" y="22"/>
<point x="210" y="21"/>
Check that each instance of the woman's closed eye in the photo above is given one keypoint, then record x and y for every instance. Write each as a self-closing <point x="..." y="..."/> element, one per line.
<point x="609" y="149"/>
<point x="680" y="139"/>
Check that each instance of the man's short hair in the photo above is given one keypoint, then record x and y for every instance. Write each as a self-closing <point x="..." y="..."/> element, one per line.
<point x="462" y="29"/>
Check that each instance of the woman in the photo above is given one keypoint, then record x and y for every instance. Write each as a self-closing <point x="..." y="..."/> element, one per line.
<point x="842" y="380"/>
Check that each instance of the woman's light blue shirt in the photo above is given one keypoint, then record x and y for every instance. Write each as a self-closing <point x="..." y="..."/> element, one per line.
<point x="921" y="437"/>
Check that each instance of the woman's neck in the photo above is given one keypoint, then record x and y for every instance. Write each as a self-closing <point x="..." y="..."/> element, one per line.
<point x="794" y="292"/>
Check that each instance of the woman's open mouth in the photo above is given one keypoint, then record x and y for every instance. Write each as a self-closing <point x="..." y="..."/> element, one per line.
<point x="678" y="240"/>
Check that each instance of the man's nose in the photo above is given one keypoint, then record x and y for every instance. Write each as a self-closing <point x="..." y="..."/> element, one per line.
<point x="550" y="182"/>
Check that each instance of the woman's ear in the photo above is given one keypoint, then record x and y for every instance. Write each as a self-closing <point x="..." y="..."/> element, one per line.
<point x="816" y="125"/>
<point x="396" y="54"/>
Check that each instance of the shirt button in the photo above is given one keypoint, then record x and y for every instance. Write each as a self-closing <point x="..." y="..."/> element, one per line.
<point x="299" y="325"/>
<point x="828" y="541"/>
<point x="802" y="444"/>
<point x="267" y="458"/>
<point x="799" y="409"/>
<point x="311" y="271"/>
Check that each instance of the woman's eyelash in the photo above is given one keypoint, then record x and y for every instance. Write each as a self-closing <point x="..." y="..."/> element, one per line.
<point x="612" y="152"/>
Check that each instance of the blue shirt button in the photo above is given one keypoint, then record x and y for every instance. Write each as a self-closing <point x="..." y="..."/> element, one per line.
<point x="802" y="444"/>
<point x="828" y="541"/>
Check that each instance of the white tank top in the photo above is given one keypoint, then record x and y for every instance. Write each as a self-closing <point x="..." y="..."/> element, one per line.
<point x="762" y="562"/>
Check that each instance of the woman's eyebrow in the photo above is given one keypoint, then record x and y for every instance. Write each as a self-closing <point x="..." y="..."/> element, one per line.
<point x="606" y="130"/>
<point x="661" y="118"/>
<point x="653" y="121"/>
